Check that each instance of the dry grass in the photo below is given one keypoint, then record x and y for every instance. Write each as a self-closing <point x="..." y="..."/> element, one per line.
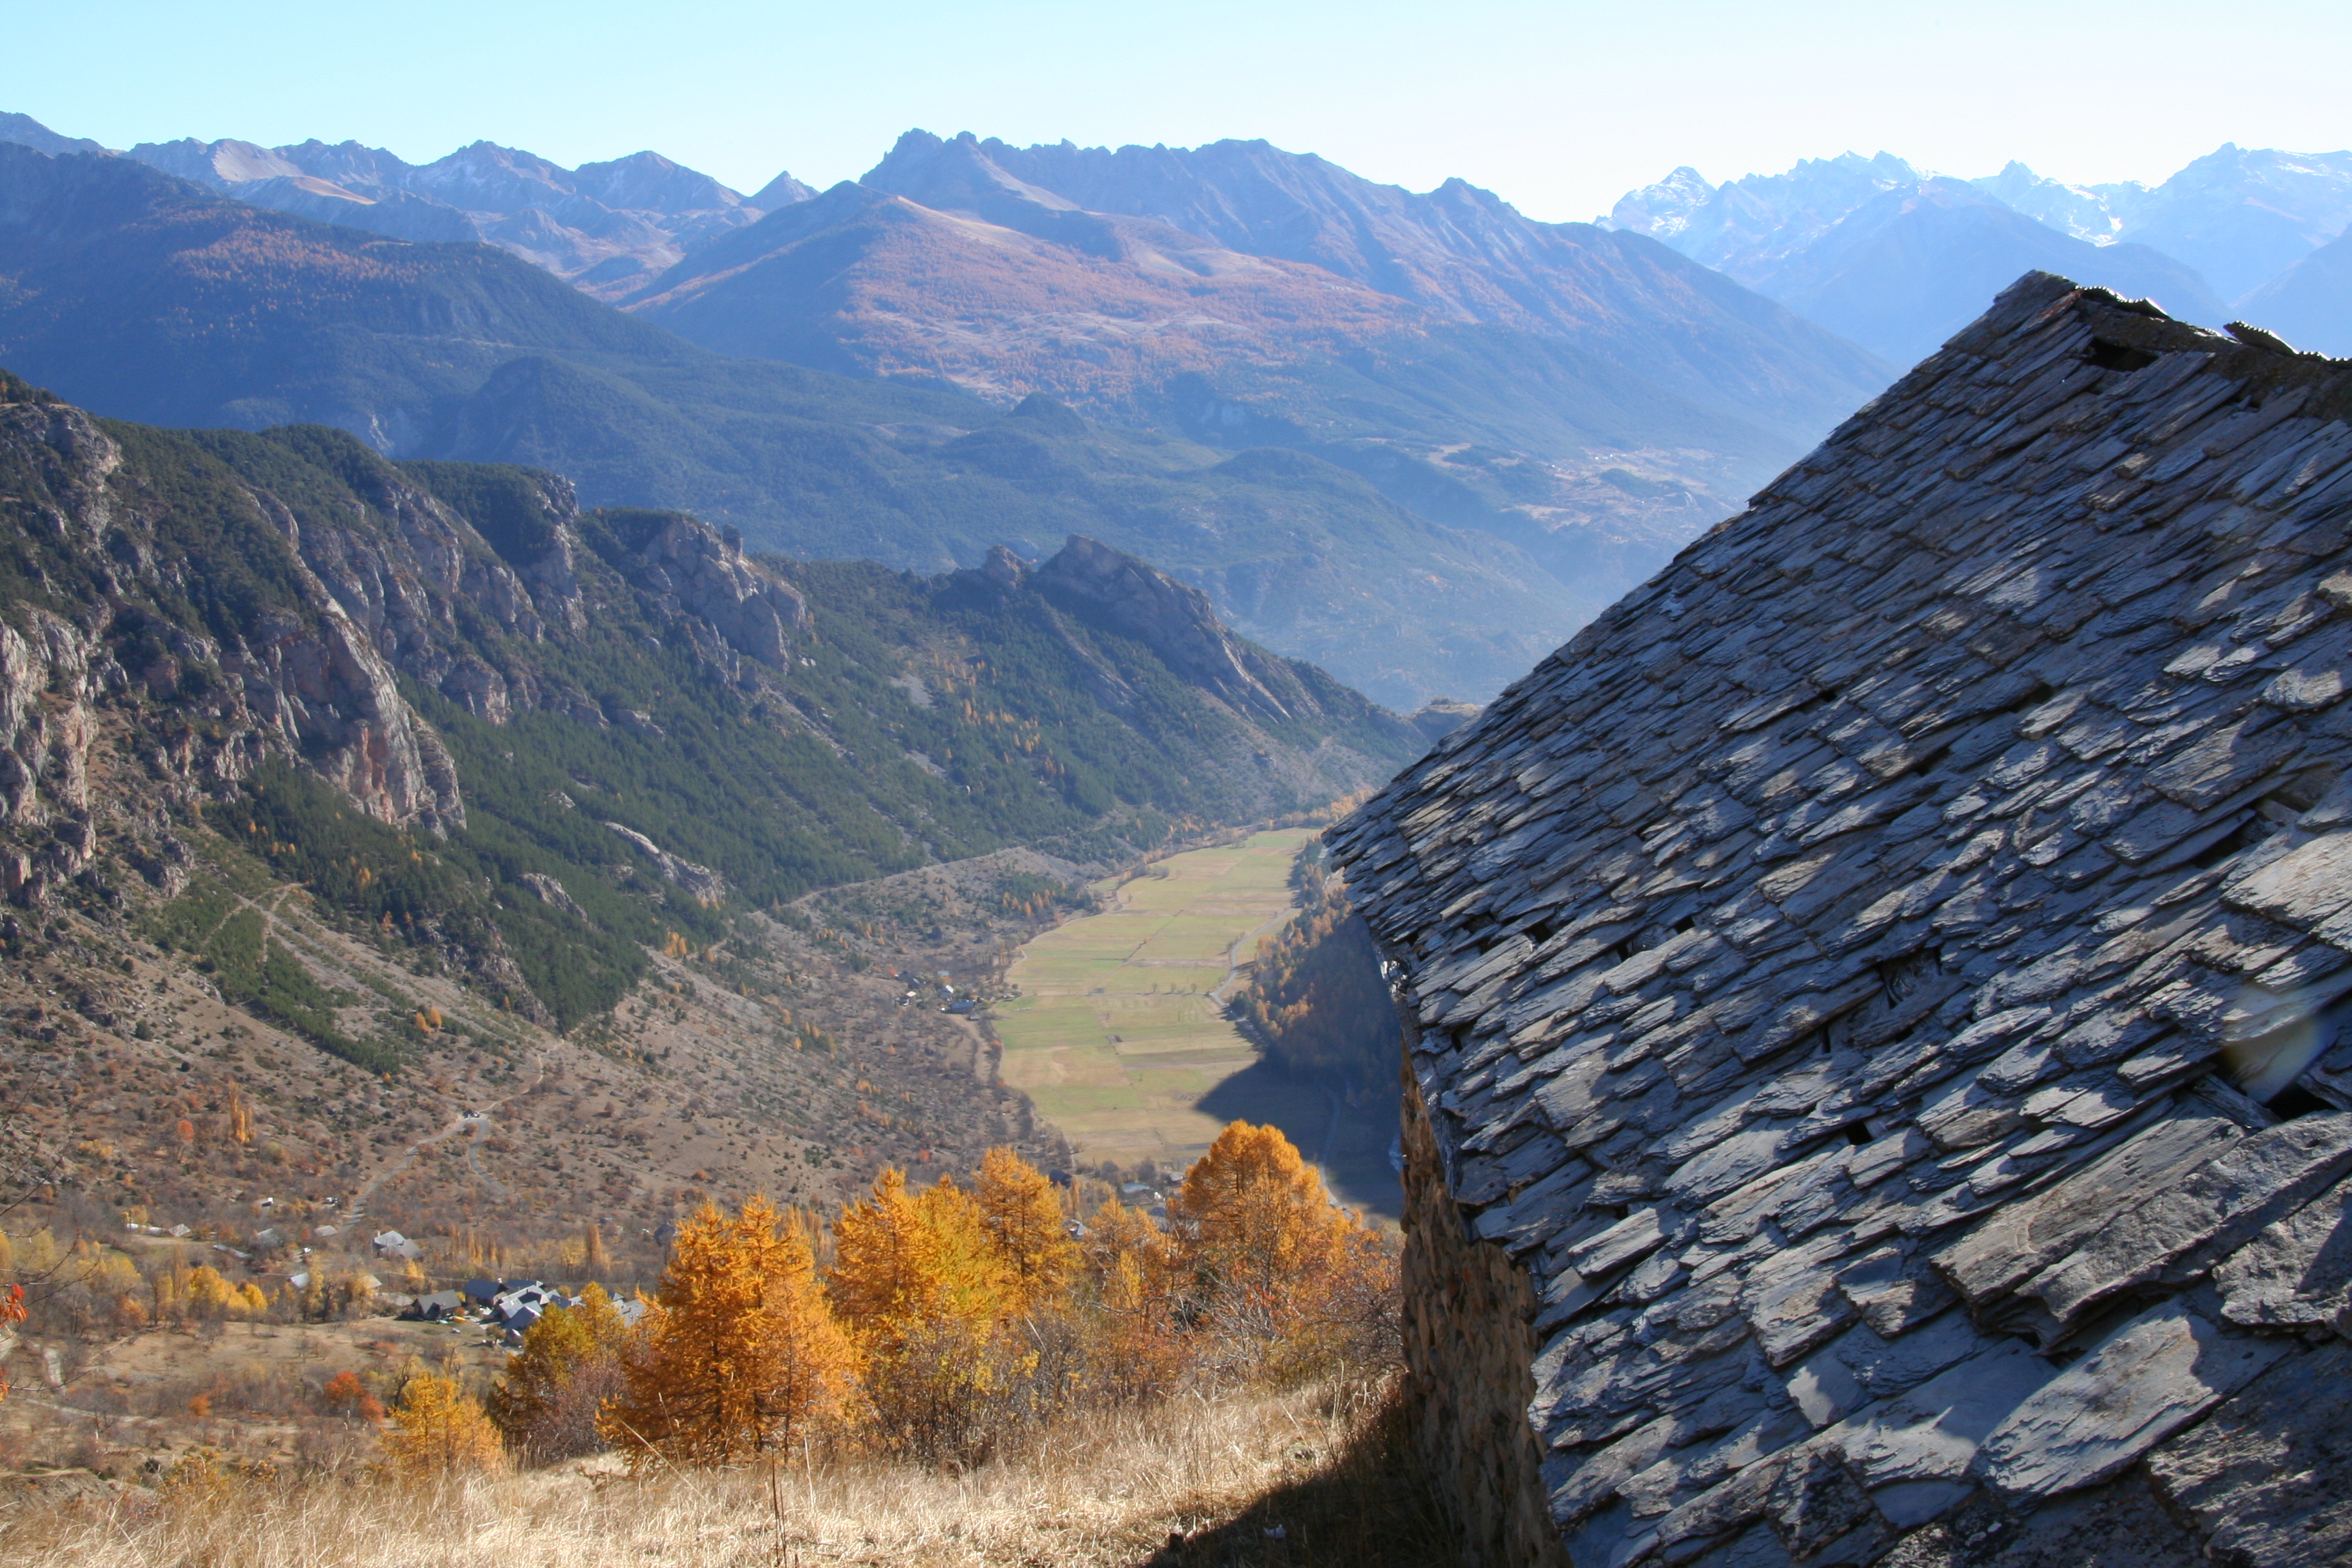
<point x="1326" y="1464"/>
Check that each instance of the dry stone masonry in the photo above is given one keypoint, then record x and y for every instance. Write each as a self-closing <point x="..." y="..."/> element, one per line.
<point x="1877" y="991"/>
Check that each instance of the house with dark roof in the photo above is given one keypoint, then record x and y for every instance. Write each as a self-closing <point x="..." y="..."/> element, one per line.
<point x="1875" y="1088"/>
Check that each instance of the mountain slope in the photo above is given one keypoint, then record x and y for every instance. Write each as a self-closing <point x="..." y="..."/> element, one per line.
<point x="2310" y="304"/>
<point x="1585" y="397"/>
<point x="1237" y="245"/>
<point x="1458" y="250"/>
<point x="1908" y="270"/>
<point x="147" y="297"/>
<point x="2243" y="216"/>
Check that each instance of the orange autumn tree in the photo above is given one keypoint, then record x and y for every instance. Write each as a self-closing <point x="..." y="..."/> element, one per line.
<point x="1024" y="1220"/>
<point x="742" y="1356"/>
<point x="1136" y="1349"/>
<point x="439" y="1429"/>
<point x="928" y="1292"/>
<point x="1280" y="1274"/>
<point x="572" y="1361"/>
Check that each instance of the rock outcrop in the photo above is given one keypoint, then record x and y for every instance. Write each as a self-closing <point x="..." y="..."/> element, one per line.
<point x="1123" y="594"/>
<point x="300" y="676"/>
<point x="692" y="571"/>
<point x="1876" y="992"/>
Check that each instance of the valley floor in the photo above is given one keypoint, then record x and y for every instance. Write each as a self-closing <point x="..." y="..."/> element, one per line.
<point x="1119" y="1037"/>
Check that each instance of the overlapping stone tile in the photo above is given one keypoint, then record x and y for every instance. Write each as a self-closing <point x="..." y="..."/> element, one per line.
<point x="1827" y="964"/>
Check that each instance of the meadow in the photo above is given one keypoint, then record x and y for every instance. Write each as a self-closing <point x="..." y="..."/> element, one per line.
<point x="1118" y="1034"/>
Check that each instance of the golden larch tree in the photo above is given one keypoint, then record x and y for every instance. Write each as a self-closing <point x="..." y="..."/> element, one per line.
<point x="925" y="1288"/>
<point x="1023" y="1217"/>
<point x="439" y="1429"/>
<point x="1283" y="1277"/>
<point x="742" y="1354"/>
<point x="1135" y="1347"/>
<point x="1253" y="1218"/>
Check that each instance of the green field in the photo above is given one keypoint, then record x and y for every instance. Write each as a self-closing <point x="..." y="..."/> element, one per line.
<point x="1117" y="1033"/>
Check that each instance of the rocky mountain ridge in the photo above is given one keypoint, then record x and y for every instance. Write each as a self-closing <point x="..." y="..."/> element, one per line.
<point x="144" y="297"/>
<point x="602" y="226"/>
<point x="190" y="611"/>
<point x="1898" y="258"/>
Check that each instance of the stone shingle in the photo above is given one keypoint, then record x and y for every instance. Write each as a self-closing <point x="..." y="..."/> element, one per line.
<point x="1830" y="962"/>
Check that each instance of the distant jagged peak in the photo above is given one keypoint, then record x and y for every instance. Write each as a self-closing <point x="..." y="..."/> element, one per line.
<point x="219" y="164"/>
<point x="647" y="181"/>
<point x="2086" y="212"/>
<point x="955" y="174"/>
<point x="28" y="131"/>
<point x="783" y="191"/>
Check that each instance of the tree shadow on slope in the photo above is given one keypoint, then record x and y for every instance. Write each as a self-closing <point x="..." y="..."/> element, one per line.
<point x="1371" y="1504"/>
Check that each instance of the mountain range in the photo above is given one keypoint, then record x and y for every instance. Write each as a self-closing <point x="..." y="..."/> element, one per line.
<point x="1414" y="436"/>
<point x="146" y="297"/>
<point x="603" y="227"/>
<point x="1488" y="428"/>
<point x="1897" y="259"/>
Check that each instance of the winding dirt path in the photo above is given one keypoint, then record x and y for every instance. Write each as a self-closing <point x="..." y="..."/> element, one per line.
<point x="479" y="1121"/>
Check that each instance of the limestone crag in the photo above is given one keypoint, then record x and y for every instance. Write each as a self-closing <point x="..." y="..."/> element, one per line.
<point x="1879" y="985"/>
<point x="690" y="569"/>
<point x="1174" y="620"/>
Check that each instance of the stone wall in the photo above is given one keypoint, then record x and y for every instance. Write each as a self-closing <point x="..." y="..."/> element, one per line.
<point x="1469" y="1340"/>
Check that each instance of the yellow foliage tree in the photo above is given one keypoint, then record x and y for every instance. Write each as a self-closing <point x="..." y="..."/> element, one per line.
<point x="1134" y="1348"/>
<point x="924" y="1287"/>
<point x="1023" y="1217"/>
<point x="208" y="1294"/>
<point x="1280" y="1270"/>
<point x="547" y="1404"/>
<point x="439" y="1429"/>
<point x="742" y="1356"/>
<point x="1253" y="1217"/>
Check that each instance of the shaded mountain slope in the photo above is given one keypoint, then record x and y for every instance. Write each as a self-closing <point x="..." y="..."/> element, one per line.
<point x="2310" y="304"/>
<point x="144" y="297"/>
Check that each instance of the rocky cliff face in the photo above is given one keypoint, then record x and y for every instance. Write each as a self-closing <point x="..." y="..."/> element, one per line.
<point x="306" y="645"/>
<point x="703" y="577"/>
<point x="299" y="677"/>
<point x="1176" y="622"/>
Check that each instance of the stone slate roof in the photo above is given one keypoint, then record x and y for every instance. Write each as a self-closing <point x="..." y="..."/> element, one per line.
<point x="1882" y="978"/>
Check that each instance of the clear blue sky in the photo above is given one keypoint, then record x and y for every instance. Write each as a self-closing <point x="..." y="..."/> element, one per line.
<point x="1558" y="107"/>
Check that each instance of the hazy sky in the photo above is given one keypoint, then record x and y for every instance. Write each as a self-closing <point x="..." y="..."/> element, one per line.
<point x="1560" y="107"/>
